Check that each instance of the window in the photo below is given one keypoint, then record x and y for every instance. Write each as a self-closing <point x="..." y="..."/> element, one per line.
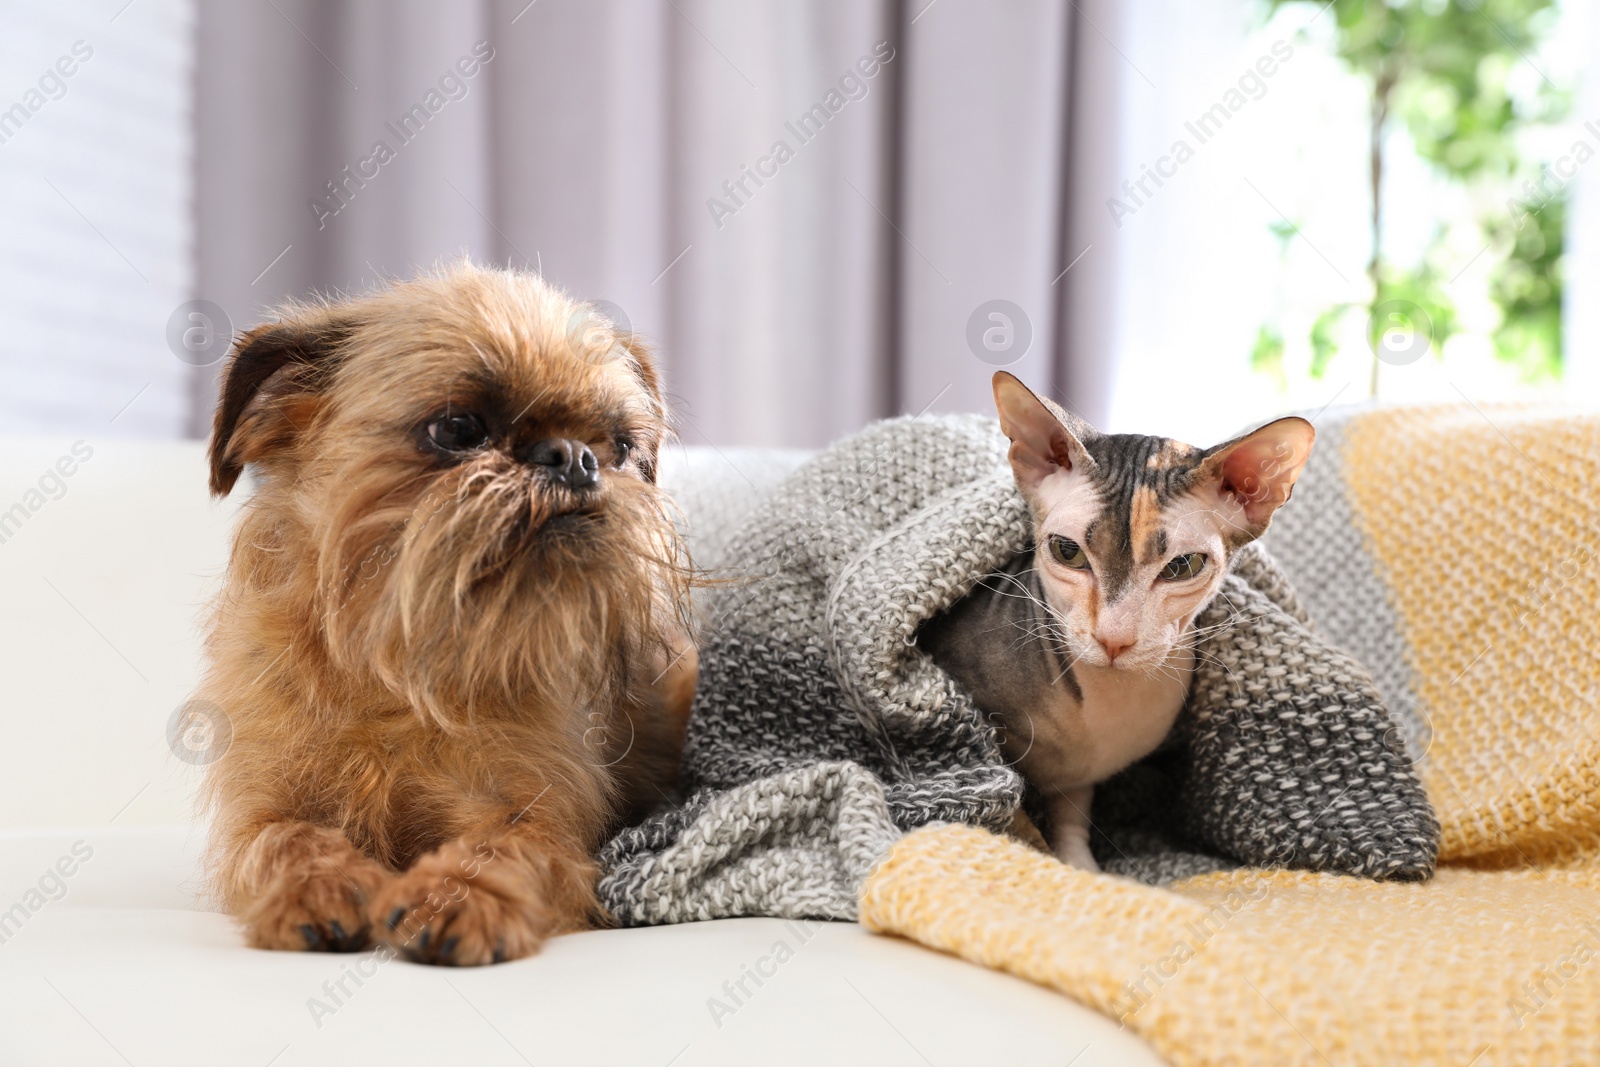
<point x="95" y="173"/>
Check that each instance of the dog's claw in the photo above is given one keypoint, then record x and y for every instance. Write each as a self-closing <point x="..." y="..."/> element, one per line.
<point x="422" y="939"/>
<point x="500" y="951"/>
<point x="449" y="947"/>
<point x="339" y="936"/>
<point x="395" y="916"/>
<point x="309" y="932"/>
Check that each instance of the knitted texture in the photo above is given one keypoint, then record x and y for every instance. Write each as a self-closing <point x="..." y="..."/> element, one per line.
<point x="810" y="679"/>
<point x="1320" y="542"/>
<point x="795" y="845"/>
<point x="1271" y="967"/>
<point x="1473" y="534"/>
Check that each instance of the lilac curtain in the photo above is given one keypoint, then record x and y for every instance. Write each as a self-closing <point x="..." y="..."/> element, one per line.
<point x="822" y="213"/>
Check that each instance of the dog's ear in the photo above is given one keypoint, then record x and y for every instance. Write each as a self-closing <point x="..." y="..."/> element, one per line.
<point x="644" y="367"/>
<point x="271" y="387"/>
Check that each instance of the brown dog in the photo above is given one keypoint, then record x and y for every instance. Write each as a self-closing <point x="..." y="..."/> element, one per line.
<point x="449" y="645"/>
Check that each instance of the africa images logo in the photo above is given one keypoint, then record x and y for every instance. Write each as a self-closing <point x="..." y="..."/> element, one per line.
<point x="852" y="85"/>
<point x="1251" y="85"/>
<point x="52" y="85"/>
<point x="454" y="84"/>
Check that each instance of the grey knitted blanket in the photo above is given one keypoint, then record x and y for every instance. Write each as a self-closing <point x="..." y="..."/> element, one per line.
<point x="821" y="733"/>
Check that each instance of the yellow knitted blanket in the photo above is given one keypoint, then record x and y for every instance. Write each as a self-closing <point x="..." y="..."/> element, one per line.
<point x="1484" y="526"/>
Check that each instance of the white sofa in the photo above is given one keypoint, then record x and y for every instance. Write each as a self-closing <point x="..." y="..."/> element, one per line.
<point x="109" y="956"/>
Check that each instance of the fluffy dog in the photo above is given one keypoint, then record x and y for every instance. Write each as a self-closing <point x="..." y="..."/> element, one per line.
<point x="450" y="644"/>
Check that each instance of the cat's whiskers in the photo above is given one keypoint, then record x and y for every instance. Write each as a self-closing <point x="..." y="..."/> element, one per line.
<point x="1203" y="656"/>
<point x="1124" y="528"/>
<point x="1067" y="668"/>
<point x="1233" y="619"/>
<point x="1049" y="624"/>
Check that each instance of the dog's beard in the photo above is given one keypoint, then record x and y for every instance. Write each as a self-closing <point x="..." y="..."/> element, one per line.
<point x="486" y="586"/>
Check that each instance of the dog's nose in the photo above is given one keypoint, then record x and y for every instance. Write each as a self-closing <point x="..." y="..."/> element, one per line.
<point x="570" y="462"/>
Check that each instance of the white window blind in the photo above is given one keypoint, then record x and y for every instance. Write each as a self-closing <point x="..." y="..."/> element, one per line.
<point x="97" y="231"/>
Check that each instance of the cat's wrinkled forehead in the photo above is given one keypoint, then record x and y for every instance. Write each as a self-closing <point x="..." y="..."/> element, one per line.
<point x="1123" y="497"/>
<point x="1136" y="478"/>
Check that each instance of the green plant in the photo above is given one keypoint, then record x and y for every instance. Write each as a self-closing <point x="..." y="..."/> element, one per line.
<point x="1527" y="286"/>
<point x="1442" y="69"/>
<point x="1266" y="355"/>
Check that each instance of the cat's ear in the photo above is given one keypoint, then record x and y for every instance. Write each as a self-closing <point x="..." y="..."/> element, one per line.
<point x="1042" y="441"/>
<point x="1255" y="474"/>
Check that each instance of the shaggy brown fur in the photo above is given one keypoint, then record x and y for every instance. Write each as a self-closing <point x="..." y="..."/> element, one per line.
<point x="447" y="669"/>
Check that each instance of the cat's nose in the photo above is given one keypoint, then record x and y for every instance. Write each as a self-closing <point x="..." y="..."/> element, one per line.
<point x="1114" y="648"/>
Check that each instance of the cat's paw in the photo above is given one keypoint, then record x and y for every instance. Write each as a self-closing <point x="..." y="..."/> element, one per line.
<point x="1070" y="829"/>
<point x="1074" y="852"/>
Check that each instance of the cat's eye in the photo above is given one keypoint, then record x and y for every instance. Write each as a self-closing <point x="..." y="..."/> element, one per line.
<point x="458" y="433"/>
<point x="1068" y="553"/>
<point x="1181" y="568"/>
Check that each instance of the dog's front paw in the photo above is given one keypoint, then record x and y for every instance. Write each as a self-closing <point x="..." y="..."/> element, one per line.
<point x="316" y="899"/>
<point x="463" y="905"/>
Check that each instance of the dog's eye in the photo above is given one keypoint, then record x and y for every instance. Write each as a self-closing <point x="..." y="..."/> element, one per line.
<point x="458" y="433"/>
<point x="624" y="449"/>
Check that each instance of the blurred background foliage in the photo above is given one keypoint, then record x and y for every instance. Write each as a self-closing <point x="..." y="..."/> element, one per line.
<point x="1440" y="71"/>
